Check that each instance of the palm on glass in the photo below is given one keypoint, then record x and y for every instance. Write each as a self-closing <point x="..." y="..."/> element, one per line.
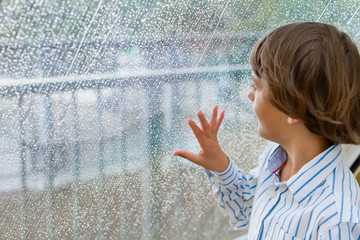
<point x="211" y="155"/>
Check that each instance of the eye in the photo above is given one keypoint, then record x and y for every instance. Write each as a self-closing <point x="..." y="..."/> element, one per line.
<point x="253" y="87"/>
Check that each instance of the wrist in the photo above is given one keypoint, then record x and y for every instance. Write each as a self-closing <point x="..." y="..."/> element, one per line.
<point x="223" y="177"/>
<point x="223" y="164"/>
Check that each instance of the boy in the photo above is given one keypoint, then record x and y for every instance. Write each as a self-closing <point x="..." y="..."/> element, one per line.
<point x="306" y="97"/>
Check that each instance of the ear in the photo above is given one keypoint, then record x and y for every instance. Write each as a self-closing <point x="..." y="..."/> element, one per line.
<point x="291" y="120"/>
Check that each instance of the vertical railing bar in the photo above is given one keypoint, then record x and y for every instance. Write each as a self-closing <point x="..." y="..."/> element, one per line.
<point x="50" y="167"/>
<point x="24" y="232"/>
<point x="175" y="112"/>
<point x="123" y="149"/>
<point x="154" y="149"/>
<point x="145" y="171"/>
<point x="50" y="149"/>
<point x="101" y="163"/>
<point x="218" y="98"/>
<point x="198" y="93"/>
<point x="76" y="150"/>
<point x="235" y="95"/>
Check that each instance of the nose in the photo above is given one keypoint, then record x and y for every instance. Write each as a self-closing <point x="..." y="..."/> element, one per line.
<point x="251" y="95"/>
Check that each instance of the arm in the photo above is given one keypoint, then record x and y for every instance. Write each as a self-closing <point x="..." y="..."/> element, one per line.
<point x="234" y="192"/>
<point x="232" y="188"/>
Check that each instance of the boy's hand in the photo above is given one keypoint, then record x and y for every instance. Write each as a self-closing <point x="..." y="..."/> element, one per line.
<point x="211" y="155"/>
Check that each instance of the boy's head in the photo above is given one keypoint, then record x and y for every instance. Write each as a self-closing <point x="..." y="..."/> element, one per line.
<point x="312" y="72"/>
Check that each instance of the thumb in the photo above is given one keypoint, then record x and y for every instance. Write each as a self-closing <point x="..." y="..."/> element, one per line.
<point x="193" y="157"/>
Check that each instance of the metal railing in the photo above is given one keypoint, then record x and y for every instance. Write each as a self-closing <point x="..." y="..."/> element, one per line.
<point x="42" y="150"/>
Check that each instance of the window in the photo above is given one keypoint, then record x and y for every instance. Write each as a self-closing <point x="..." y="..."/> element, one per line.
<point x="94" y="98"/>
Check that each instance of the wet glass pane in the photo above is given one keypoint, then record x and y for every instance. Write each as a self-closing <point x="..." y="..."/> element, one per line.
<point x="95" y="97"/>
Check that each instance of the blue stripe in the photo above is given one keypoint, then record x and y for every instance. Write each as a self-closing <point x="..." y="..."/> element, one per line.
<point x="314" y="164"/>
<point x="241" y="226"/>
<point x="290" y="222"/>
<point x="334" y="176"/>
<point x="312" y="191"/>
<point x="222" y="195"/>
<point x="351" y="197"/>
<point x="266" y="180"/>
<point x="229" y="182"/>
<point x="292" y="202"/>
<point x="272" y="236"/>
<point x="259" y="197"/>
<point x="260" y="204"/>
<point x="317" y="173"/>
<point x="272" y="154"/>
<point x="233" y="212"/>
<point x="343" y="195"/>
<point x="356" y="187"/>
<point x="298" y="225"/>
<point x="233" y="171"/>
<point x="328" y="217"/>
<point x="251" y="178"/>
<point x="269" y="212"/>
<point x="246" y="200"/>
<point x="282" y="208"/>
<point x="229" y="193"/>
<point x="240" y="209"/>
<point x="278" y="211"/>
<point x="312" y="210"/>
<point x="352" y="229"/>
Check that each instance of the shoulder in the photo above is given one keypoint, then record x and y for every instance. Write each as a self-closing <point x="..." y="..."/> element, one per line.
<point x="345" y="195"/>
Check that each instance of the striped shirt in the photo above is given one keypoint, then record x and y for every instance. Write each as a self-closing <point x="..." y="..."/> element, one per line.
<point x="321" y="201"/>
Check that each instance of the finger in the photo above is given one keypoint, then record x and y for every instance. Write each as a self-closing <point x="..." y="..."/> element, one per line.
<point x="213" y="117"/>
<point x="220" y="120"/>
<point x="193" y="157"/>
<point x="196" y="130"/>
<point x="204" y="123"/>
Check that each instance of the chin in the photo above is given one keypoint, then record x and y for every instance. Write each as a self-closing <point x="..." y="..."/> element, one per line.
<point x="260" y="131"/>
<point x="263" y="134"/>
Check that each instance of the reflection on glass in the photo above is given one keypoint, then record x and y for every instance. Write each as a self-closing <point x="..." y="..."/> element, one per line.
<point x="94" y="99"/>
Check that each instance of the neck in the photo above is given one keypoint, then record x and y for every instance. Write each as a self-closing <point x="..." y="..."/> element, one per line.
<point x="301" y="150"/>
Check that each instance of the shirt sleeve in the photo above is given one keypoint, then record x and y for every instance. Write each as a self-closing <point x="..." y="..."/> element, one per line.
<point x="234" y="191"/>
<point x="343" y="230"/>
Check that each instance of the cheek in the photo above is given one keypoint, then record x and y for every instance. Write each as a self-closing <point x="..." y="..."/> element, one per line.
<point x="257" y="108"/>
<point x="260" y="111"/>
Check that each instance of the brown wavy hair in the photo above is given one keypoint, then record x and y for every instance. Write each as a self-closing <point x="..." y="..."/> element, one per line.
<point x="313" y="73"/>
